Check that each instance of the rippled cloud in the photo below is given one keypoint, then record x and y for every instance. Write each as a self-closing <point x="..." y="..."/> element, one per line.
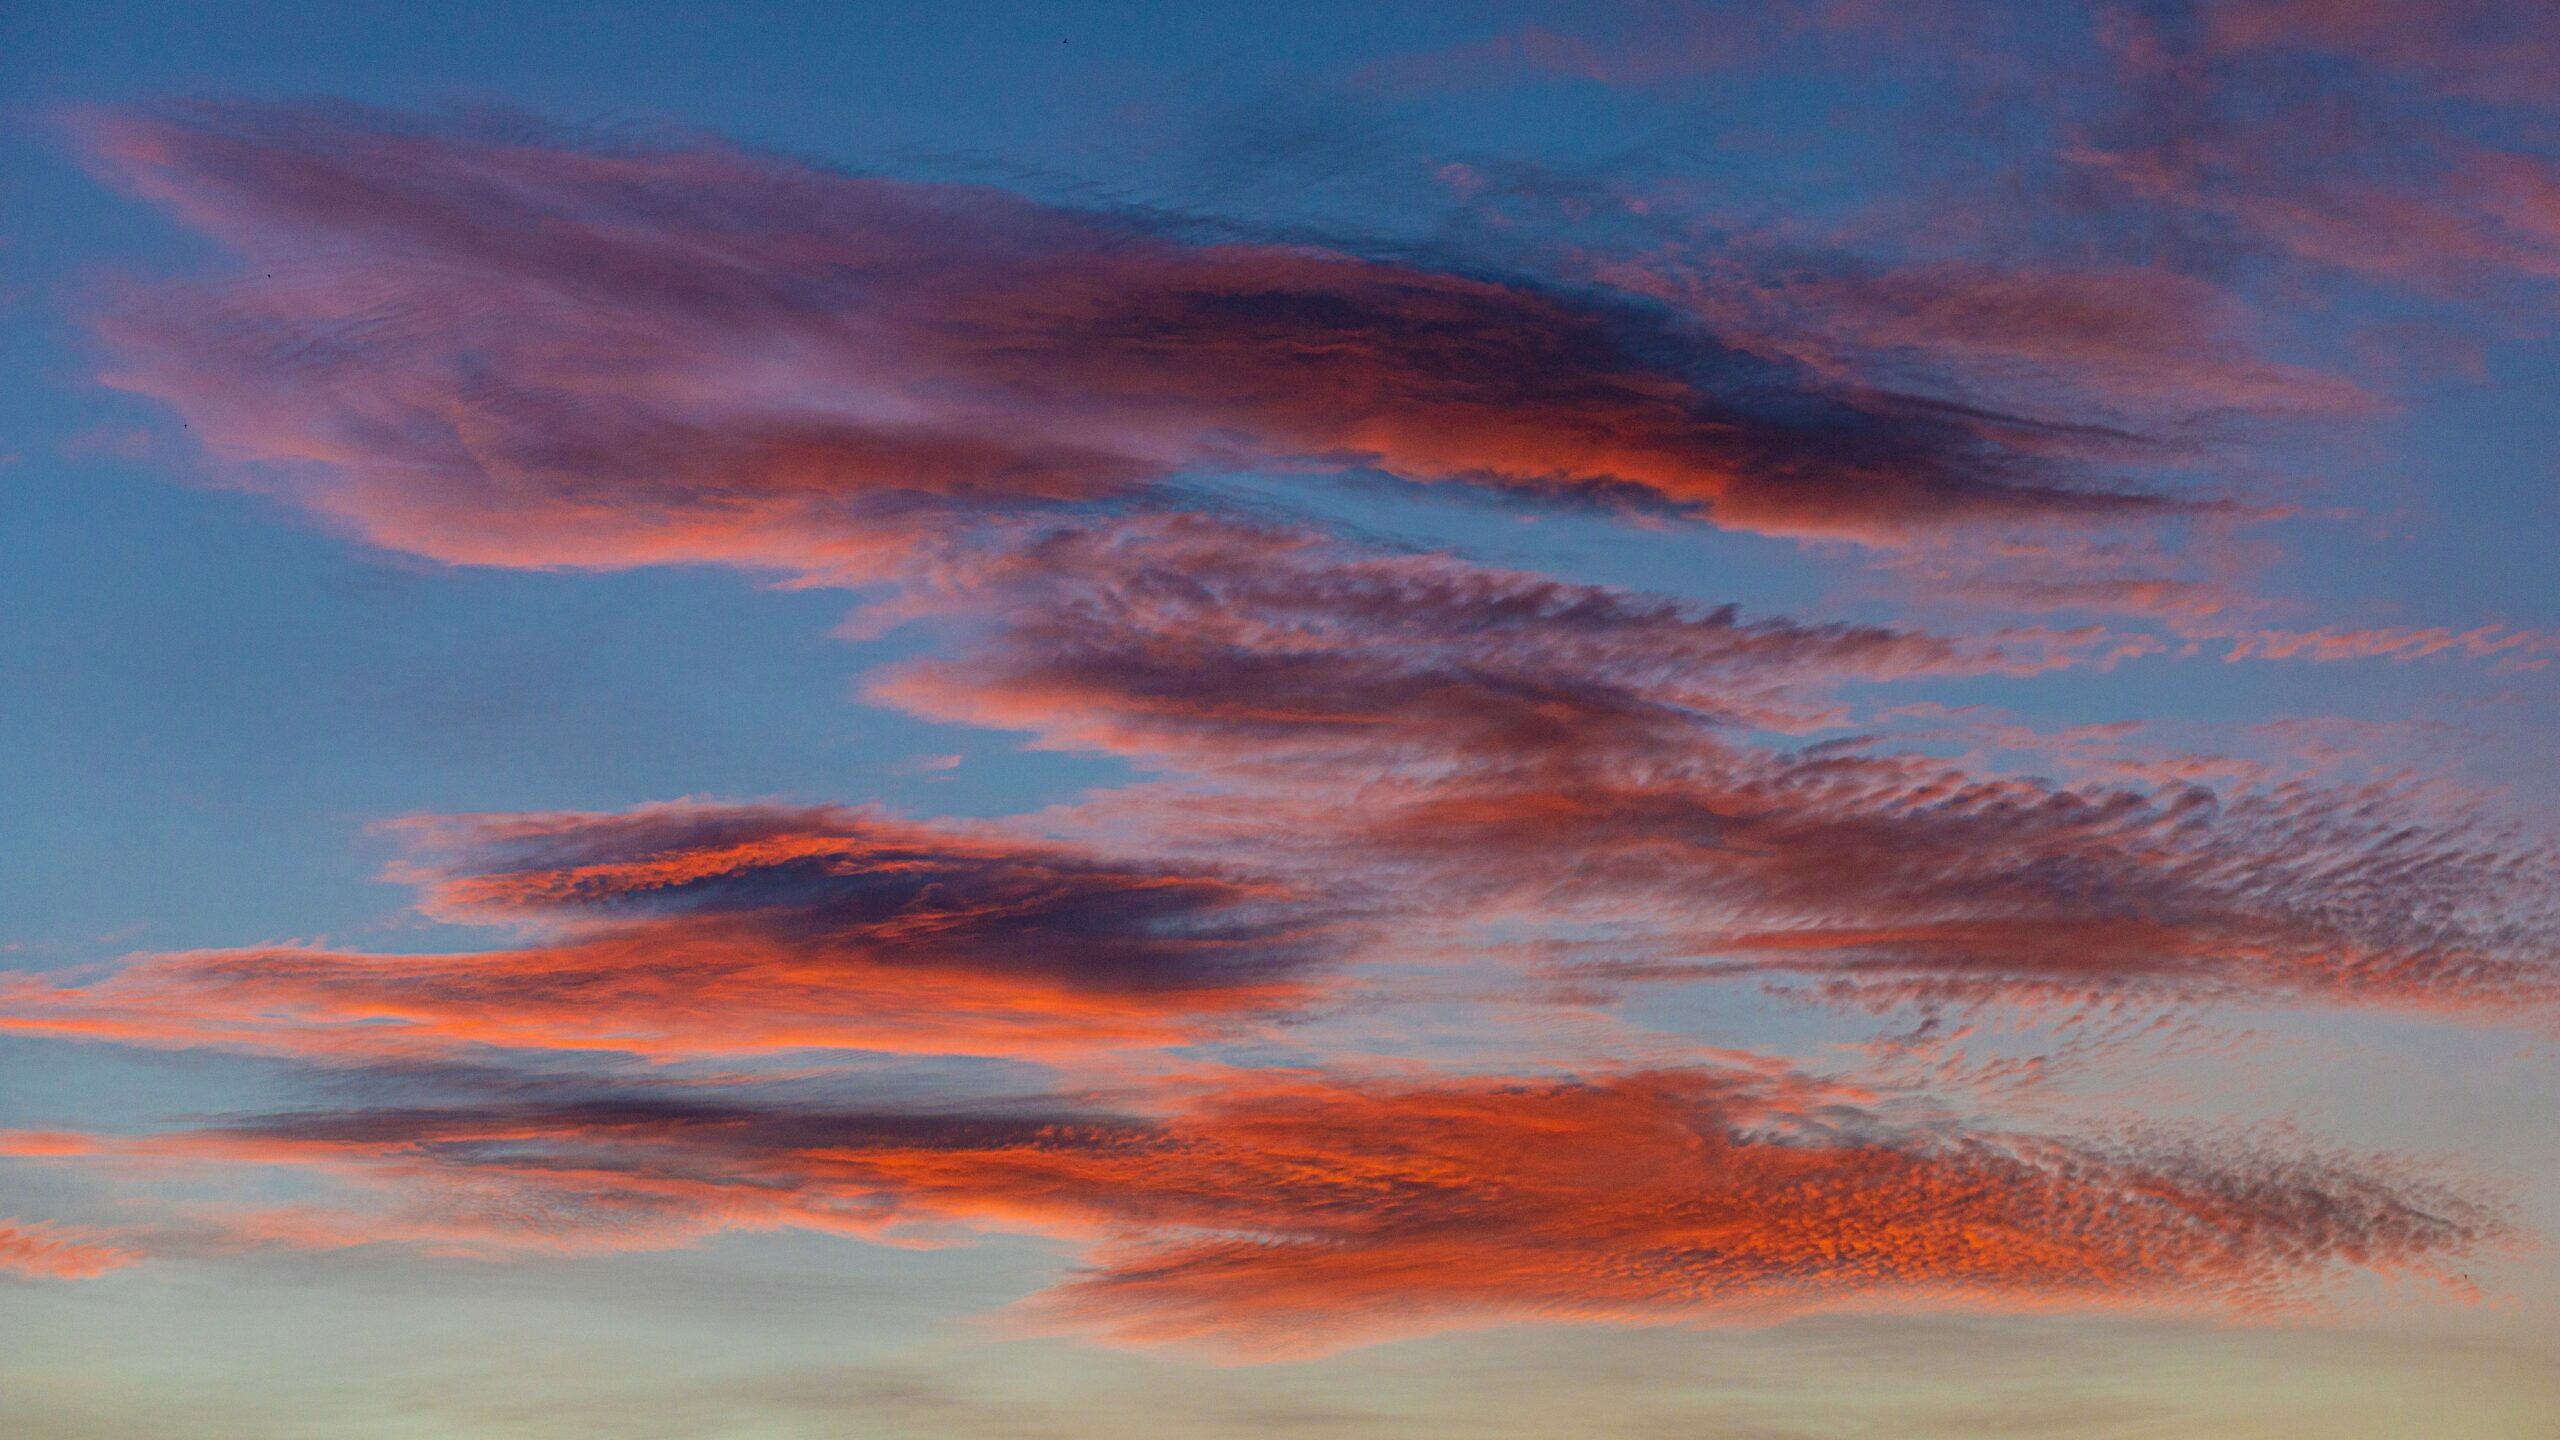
<point x="1276" y="1215"/>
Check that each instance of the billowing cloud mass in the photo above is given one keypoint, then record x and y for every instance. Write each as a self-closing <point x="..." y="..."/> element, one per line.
<point x="1281" y="1214"/>
<point x="491" y="344"/>
<point x="692" y="929"/>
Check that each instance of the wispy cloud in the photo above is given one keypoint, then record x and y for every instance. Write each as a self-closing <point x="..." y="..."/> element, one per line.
<point x="32" y="1250"/>
<point x="743" y="359"/>
<point x="491" y="342"/>
<point x="1505" y="745"/>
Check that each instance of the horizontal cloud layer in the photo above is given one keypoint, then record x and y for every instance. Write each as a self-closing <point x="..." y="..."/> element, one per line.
<point x="1166" y="632"/>
<point x="492" y="344"/>
<point x="1508" y="745"/>
<point x="1282" y="1214"/>
<point x="1371" y="737"/>
<point x="695" y="929"/>
<point x="2140" y="342"/>
<point x="34" y="1251"/>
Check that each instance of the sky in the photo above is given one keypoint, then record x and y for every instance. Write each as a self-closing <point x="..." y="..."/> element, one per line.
<point x="1772" y="721"/>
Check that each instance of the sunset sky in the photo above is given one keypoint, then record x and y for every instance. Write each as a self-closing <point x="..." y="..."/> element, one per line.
<point x="1775" y="721"/>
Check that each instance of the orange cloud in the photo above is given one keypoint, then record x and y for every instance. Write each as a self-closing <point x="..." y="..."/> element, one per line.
<point x="2411" y="162"/>
<point x="1275" y="1215"/>
<point x="694" y="929"/>
<point x="33" y="1251"/>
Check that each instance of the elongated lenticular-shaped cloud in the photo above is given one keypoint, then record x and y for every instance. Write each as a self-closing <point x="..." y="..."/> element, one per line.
<point x="896" y="892"/>
<point x="744" y="360"/>
<point x="1204" y="640"/>
<point x="1277" y="1215"/>
<point x="1402" y="736"/>
<point x="1899" y="878"/>
<point x="1676" y="1196"/>
<point x="1504" y="744"/>
<point x="502" y="346"/>
<point x="692" y="929"/>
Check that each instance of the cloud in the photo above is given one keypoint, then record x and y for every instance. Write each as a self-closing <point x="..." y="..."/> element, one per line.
<point x="1656" y="1197"/>
<point x="31" y="1250"/>
<point x="2085" y="198"/>
<point x="2144" y="343"/>
<point x="1277" y="1215"/>
<point x="2381" y="144"/>
<point x="2479" y="49"/>
<point x="493" y="344"/>
<point x="1897" y="878"/>
<point x="1371" y="742"/>
<point x="1191" y="635"/>
<point x="691" y="929"/>
<point x="2513" y="649"/>
<point x="1501" y="745"/>
<point x="1367" y="740"/>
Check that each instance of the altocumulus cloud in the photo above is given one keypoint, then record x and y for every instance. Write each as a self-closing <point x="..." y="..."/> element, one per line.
<point x="490" y="342"/>
<point x="1280" y="1214"/>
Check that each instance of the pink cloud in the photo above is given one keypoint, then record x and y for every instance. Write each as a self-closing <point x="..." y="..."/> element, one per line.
<point x="1480" y="744"/>
<point x="31" y="1250"/>
<point x="689" y="930"/>
<point x="742" y="360"/>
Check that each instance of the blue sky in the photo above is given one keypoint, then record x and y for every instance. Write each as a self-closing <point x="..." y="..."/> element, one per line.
<point x="745" y="721"/>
